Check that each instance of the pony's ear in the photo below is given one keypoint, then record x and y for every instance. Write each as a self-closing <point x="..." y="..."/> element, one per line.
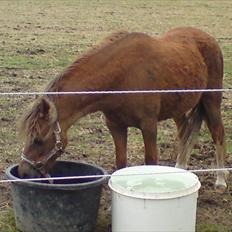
<point x="43" y="109"/>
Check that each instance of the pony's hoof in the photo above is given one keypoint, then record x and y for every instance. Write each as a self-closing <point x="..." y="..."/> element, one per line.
<point x="181" y="166"/>
<point x="220" y="184"/>
<point x="220" y="188"/>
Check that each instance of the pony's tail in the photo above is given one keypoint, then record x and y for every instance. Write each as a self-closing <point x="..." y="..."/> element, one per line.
<point x="187" y="133"/>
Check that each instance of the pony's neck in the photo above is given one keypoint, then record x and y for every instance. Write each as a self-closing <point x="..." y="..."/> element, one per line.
<point x="70" y="108"/>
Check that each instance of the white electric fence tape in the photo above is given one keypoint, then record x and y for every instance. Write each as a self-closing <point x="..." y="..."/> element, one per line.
<point x="116" y="92"/>
<point x="109" y="175"/>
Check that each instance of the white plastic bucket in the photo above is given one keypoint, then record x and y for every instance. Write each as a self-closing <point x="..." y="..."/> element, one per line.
<point x="154" y="199"/>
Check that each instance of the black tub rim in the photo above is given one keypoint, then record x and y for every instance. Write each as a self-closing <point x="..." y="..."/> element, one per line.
<point x="74" y="186"/>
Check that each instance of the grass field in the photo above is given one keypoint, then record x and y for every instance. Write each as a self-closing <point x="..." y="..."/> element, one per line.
<point x="38" y="39"/>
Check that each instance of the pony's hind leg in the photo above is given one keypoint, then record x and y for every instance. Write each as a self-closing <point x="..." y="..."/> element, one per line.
<point x="183" y="150"/>
<point x="188" y="127"/>
<point x="119" y="134"/>
<point x="211" y="103"/>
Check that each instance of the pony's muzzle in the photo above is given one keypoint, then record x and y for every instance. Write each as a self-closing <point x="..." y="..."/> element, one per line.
<point x="25" y="170"/>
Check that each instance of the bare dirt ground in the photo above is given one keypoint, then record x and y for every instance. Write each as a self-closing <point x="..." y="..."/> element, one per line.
<point x="38" y="39"/>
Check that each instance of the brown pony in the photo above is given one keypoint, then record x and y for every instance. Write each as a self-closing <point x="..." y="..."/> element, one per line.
<point x="184" y="58"/>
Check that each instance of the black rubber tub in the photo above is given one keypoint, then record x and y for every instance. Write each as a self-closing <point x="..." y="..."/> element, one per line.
<point x="65" y="206"/>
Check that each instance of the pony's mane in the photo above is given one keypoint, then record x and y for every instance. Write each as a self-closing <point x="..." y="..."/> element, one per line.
<point x="28" y="126"/>
<point x="112" y="38"/>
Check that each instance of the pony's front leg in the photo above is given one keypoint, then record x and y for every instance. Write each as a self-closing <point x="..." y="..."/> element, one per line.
<point x="119" y="134"/>
<point x="149" y="132"/>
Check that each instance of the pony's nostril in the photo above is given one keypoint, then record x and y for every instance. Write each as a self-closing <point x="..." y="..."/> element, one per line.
<point x="24" y="176"/>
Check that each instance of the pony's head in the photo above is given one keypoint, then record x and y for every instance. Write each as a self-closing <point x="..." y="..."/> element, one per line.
<point x="43" y="139"/>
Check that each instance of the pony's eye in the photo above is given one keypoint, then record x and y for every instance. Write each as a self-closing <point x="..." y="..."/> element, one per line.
<point x="38" y="142"/>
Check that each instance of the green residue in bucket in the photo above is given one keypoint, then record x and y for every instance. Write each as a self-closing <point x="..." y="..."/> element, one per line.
<point x="151" y="184"/>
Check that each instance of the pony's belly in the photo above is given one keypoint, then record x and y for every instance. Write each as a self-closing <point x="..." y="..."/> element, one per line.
<point x="178" y="104"/>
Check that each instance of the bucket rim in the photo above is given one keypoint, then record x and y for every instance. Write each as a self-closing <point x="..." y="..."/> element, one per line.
<point x="99" y="181"/>
<point x="155" y="195"/>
